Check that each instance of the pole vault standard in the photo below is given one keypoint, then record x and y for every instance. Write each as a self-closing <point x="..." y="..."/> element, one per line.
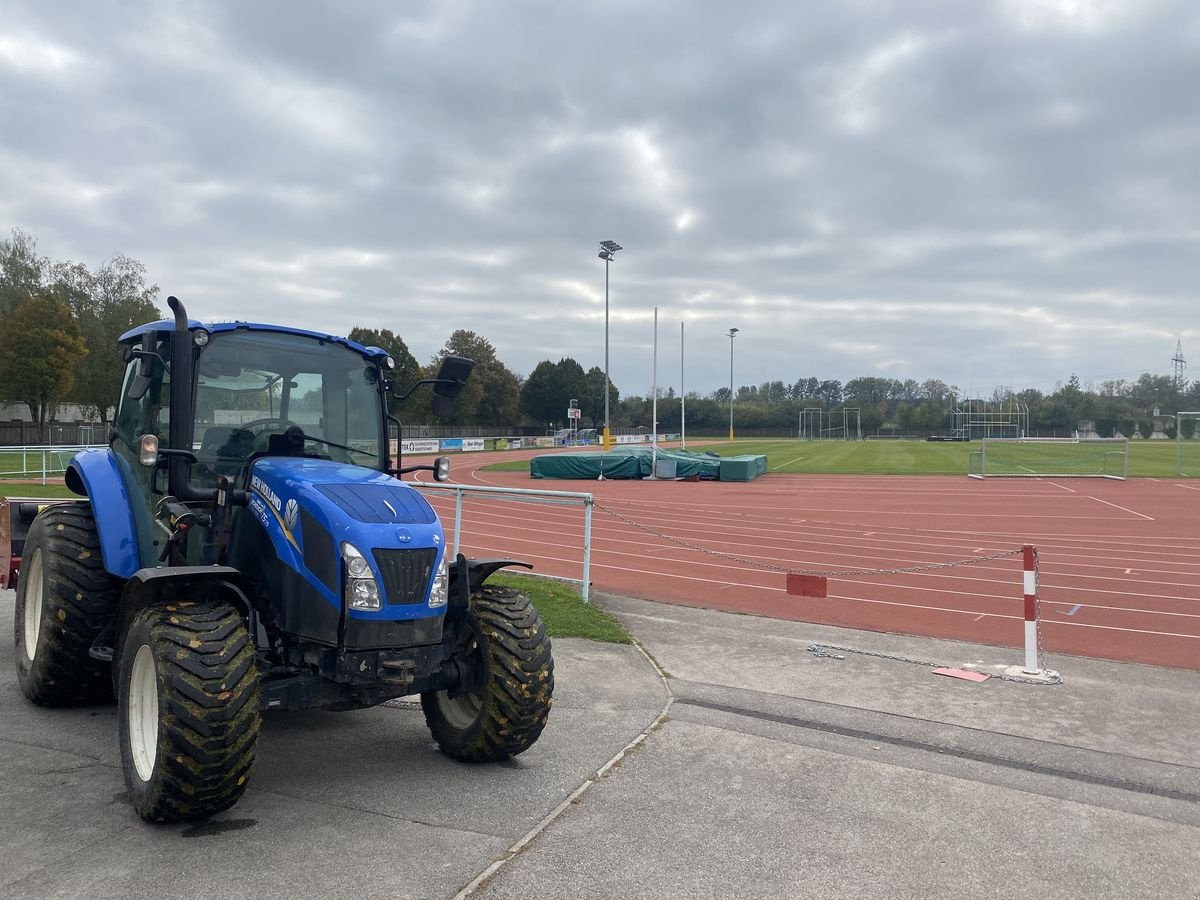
<point x="654" y="401"/>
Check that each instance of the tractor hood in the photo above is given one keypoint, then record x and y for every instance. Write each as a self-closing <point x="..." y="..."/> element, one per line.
<point x="310" y="507"/>
<point x="345" y="498"/>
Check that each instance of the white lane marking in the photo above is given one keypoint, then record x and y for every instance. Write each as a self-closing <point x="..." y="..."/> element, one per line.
<point x="1123" y="509"/>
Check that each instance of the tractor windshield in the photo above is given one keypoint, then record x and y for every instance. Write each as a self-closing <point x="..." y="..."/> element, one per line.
<point x="251" y="385"/>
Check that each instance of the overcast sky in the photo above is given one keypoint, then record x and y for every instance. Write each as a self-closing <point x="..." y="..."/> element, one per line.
<point x="992" y="192"/>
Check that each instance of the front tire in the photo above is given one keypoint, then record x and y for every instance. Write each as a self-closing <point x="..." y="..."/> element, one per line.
<point x="188" y="710"/>
<point x="65" y="598"/>
<point x="504" y="640"/>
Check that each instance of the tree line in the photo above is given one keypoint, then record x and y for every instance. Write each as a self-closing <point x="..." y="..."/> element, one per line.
<point x="59" y="322"/>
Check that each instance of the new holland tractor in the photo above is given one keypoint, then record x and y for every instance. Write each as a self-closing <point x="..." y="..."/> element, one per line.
<point x="246" y="545"/>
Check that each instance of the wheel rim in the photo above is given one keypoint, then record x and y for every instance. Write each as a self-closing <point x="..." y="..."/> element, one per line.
<point x="33" y="604"/>
<point x="143" y="712"/>
<point x="463" y="711"/>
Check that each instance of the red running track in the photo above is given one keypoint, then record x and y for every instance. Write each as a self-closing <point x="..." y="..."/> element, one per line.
<point x="1119" y="561"/>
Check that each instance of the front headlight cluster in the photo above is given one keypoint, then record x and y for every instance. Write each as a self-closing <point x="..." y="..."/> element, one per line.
<point x="362" y="590"/>
<point x="441" y="584"/>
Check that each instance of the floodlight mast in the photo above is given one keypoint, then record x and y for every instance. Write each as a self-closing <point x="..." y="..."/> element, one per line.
<point x="608" y="250"/>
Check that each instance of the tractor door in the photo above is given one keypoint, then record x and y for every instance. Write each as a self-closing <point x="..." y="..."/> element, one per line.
<point x="144" y="408"/>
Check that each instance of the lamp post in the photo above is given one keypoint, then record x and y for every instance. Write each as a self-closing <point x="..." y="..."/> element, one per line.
<point x="732" y="334"/>
<point x="608" y="250"/>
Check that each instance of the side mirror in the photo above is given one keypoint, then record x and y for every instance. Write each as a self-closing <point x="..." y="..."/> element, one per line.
<point x="441" y="468"/>
<point x="451" y="377"/>
<point x="145" y="369"/>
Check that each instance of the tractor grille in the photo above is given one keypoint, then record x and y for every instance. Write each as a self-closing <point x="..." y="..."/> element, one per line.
<point x="406" y="574"/>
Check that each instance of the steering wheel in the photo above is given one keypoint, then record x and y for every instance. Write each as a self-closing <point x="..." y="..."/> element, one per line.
<point x="281" y="424"/>
<point x="267" y="428"/>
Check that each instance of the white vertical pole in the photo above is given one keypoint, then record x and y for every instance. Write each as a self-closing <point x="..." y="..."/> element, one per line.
<point x="587" y="547"/>
<point x="682" y="396"/>
<point x="458" y="498"/>
<point x="654" y="401"/>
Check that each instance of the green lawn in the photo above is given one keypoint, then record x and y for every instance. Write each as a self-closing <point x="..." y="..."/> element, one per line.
<point x="12" y="489"/>
<point x="1154" y="459"/>
<point x="564" y="613"/>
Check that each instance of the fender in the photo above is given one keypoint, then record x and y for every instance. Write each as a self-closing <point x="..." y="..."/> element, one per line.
<point x="94" y="474"/>
<point x="151" y="586"/>
<point x="468" y="575"/>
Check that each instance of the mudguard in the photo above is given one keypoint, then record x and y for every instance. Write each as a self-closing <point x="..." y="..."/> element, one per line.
<point x="150" y="586"/>
<point x="95" y="474"/>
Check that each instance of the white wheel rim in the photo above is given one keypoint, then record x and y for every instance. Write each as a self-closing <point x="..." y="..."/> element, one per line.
<point x="463" y="711"/>
<point x="32" y="577"/>
<point x="143" y="712"/>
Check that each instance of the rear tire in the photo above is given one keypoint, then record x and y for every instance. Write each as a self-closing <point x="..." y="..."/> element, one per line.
<point x="64" y="600"/>
<point x="505" y="714"/>
<point x="188" y="710"/>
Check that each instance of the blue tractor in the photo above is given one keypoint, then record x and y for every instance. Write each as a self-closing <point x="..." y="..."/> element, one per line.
<point x="245" y="545"/>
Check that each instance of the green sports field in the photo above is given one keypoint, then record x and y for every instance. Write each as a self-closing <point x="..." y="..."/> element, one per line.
<point x="1146" y="459"/>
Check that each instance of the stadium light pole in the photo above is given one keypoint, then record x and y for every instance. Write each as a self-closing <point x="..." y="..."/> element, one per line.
<point x="608" y="250"/>
<point x="732" y="334"/>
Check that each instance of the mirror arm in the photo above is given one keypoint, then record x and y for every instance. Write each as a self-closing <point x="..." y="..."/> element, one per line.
<point x="424" y="381"/>
<point x="150" y="354"/>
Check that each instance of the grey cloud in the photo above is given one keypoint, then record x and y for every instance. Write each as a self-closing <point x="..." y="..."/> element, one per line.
<point x="978" y="193"/>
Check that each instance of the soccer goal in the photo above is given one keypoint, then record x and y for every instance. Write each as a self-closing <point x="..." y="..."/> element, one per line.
<point x="1050" y="458"/>
<point x="1187" y="444"/>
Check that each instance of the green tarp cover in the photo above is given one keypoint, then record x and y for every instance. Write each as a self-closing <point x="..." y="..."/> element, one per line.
<point x="636" y="462"/>
<point x="742" y="468"/>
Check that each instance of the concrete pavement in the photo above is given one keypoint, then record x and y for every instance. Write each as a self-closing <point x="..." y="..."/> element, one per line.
<point x="776" y="773"/>
<point x="784" y="774"/>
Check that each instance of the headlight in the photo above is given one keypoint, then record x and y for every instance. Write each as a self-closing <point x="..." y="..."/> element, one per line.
<point x="361" y="590"/>
<point x="441" y="584"/>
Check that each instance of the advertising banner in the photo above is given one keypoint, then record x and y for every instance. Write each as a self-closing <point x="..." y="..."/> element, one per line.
<point x="452" y="443"/>
<point x="429" y="445"/>
<point x="472" y="443"/>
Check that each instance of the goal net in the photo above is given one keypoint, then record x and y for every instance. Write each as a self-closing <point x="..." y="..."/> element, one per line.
<point x="1050" y="458"/>
<point x="1187" y="444"/>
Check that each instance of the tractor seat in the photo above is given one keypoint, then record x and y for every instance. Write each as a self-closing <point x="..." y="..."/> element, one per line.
<point x="226" y="446"/>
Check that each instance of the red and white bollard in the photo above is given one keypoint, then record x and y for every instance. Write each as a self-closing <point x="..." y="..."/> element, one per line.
<point x="1031" y="612"/>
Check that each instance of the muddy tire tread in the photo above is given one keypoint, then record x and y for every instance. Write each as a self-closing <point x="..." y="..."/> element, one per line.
<point x="208" y="711"/>
<point x="518" y="684"/>
<point x="78" y="600"/>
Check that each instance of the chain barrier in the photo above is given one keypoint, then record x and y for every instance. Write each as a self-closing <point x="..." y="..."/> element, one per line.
<point x="828" y="573"/>
<point x="822" y="650"/>
<point x="1037" y="614"/>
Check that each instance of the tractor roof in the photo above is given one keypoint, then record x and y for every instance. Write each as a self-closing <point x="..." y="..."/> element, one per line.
<point x="134" y="334"/>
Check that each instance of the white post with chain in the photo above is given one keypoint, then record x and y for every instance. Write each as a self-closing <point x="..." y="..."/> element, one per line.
<point x="1031" y="612"/>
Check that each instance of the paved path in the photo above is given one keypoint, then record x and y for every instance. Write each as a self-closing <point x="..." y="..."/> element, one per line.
<point x="775" y="773"/>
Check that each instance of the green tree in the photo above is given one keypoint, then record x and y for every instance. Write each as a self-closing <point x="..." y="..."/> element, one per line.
<point x="22" y="271"/>
<point x="406" y="373"/>
<point x="40" y="348"/>
<point x="551" y="387"/>
<point x="591" y="401"/>
<point x="492" y="396"/>
<point x="538" y="394"/>
<point x="106" y="303"/>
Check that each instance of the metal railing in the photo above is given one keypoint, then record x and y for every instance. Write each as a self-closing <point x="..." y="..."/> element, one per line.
<point x="39" y="461"/>
<point x="524" y="495"/>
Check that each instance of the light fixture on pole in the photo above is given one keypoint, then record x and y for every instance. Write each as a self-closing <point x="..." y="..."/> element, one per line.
<point x="608" y="250"/>
<point x="732" y="334"/>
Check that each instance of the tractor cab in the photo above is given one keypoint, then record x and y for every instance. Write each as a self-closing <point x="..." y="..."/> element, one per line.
<point x="257" y="390"/>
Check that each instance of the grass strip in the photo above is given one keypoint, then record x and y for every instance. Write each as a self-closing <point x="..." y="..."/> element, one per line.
<point x="565" y="614"/>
